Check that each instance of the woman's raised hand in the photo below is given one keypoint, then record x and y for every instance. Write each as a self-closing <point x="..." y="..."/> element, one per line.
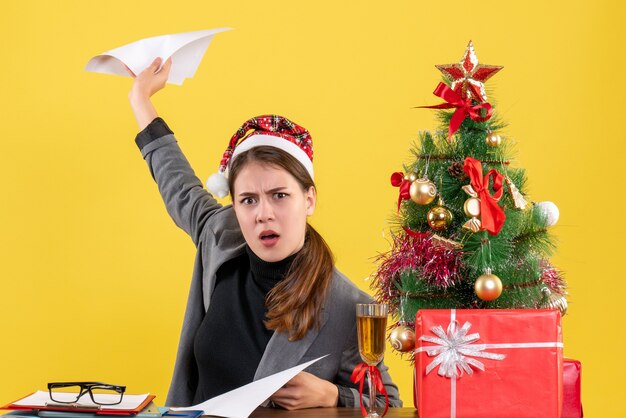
<point x="146" y="83"/>
<point x="150" y="80"/>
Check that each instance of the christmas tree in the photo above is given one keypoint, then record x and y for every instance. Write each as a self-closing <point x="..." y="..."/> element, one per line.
<point x="466" y="234"/>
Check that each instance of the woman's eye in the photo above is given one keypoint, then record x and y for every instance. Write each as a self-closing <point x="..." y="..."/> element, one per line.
<point x="280" y="195"/>
<point x="247" y="201"/>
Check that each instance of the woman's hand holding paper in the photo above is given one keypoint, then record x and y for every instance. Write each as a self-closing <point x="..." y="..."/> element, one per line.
<point x="147" y="83"/>
<point x="306" y="390"/>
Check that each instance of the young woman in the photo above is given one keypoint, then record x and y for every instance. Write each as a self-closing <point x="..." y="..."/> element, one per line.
<point x="265" y="295"/>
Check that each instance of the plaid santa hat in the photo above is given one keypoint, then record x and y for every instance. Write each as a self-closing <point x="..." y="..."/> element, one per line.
<point x="268" y="130"/>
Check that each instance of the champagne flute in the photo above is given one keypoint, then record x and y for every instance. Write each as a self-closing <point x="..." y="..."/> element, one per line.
<point x="371" y="328"/>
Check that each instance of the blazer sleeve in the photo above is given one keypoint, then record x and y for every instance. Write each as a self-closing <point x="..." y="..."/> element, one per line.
<point x="187" y="202"/>
<point x="348" y="391"/>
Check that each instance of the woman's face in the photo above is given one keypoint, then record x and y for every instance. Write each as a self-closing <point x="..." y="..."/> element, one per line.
<point x="271" y="209"/>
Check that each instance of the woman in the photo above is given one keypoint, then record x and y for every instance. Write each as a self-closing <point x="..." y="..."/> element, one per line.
<point x="264" y="295"/>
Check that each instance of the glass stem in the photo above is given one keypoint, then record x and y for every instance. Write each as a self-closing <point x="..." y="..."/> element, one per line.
<point x="372" y="408"/>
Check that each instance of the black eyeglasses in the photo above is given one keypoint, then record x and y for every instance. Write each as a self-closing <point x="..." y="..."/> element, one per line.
<point x="100" y="393"/>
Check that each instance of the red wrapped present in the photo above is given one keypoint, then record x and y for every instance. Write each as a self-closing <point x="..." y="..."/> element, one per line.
<point x="489" y="363"/>
<point x="572" y="404"/>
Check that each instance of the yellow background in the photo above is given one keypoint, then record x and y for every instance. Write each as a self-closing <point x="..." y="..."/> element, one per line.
<point x="94" y="275"/>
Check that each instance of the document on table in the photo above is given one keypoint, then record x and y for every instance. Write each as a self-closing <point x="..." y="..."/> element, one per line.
<point x="240" y="402"/>
<point x="186" y="50"/>
<point x="42" y="399"/>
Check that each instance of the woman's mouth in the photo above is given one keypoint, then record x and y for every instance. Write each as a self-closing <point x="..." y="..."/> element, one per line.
<point x="269" y="238"/>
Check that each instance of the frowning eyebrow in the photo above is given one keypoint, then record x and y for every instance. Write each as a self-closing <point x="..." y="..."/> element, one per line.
<point x="271" y="191"/>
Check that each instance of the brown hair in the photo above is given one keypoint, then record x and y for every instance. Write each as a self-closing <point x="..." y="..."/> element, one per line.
<point x="294" y="305"/>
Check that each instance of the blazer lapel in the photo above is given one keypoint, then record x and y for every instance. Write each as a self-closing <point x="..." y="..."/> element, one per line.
<point x="281" y="354"/>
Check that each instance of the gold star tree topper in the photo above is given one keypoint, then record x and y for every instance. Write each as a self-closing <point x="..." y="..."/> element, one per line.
<point x="467" y="78"/>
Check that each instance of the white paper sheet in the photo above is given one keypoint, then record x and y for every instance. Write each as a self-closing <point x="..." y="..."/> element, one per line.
<point x="41" y="398"/>
<point x="241" y="402"/>
<point x="186" y="50"/>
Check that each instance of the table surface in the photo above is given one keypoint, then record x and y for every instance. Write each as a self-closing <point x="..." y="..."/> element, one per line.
<point x="329" y="412"/>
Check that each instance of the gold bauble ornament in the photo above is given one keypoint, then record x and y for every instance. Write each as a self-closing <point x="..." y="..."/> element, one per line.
<point x="423" y="191"/>
<point x="488" y="286"/>
<point x="471" y="207"/>
<point x="402" y="339"/>
<point x="493" y="139"/>
<point x="554" y="300"/>
<point x="411" y="177"/>
<point x="439" y="217"/>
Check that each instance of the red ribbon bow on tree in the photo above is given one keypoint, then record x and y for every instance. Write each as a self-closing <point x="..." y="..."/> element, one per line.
<point x="358" y="376"/>
<point x="492" y="215"/>
<point x="397" y="180"/>
<point x="464" y="108"/>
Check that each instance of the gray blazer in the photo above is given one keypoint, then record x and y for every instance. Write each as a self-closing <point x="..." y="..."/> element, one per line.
<point x="216" y="234"/>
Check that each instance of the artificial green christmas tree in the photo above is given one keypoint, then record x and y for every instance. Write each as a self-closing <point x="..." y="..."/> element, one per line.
<point x="466" y="235"/>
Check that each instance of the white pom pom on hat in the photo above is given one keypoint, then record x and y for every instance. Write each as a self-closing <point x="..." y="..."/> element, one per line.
<point x="218" y="184"/>
<point x="268" y="130"/>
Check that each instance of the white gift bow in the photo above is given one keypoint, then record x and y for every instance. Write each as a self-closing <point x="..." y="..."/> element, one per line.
<point x="454" y="350"/>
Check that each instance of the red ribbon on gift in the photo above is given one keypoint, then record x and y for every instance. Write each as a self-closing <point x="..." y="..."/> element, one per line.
<point x="464" y="108"/>
<point x="491" y="214"/>
<point x="358" y="376"/>
<point x="397" y="180"/>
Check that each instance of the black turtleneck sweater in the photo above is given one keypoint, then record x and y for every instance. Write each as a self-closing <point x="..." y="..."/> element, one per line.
<point x="232" y="338"/>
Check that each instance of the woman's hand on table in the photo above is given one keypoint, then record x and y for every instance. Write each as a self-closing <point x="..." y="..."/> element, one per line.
<point x="306" y="390"/>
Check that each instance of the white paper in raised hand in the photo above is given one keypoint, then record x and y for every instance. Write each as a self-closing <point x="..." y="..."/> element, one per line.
<point x="241" y="402"/>
<point x="186" y="50"/>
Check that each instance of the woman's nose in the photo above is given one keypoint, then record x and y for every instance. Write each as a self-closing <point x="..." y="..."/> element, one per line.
<point x="265" y="211"/>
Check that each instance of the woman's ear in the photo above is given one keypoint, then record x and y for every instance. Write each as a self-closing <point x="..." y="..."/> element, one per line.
<point x="311" y="199"/>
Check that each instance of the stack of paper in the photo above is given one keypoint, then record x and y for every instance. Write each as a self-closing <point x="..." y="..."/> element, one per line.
<point x="40" y="400"/>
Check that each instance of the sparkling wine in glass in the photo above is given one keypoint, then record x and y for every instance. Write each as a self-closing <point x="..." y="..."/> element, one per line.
<point x="371" y="327"/>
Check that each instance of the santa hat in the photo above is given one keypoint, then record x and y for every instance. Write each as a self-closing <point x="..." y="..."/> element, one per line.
<point x="269" y="130"/>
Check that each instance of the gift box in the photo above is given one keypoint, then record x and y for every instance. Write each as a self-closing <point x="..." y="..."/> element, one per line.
<point x="572" y="404"/>
<point x="489" y="363"/>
